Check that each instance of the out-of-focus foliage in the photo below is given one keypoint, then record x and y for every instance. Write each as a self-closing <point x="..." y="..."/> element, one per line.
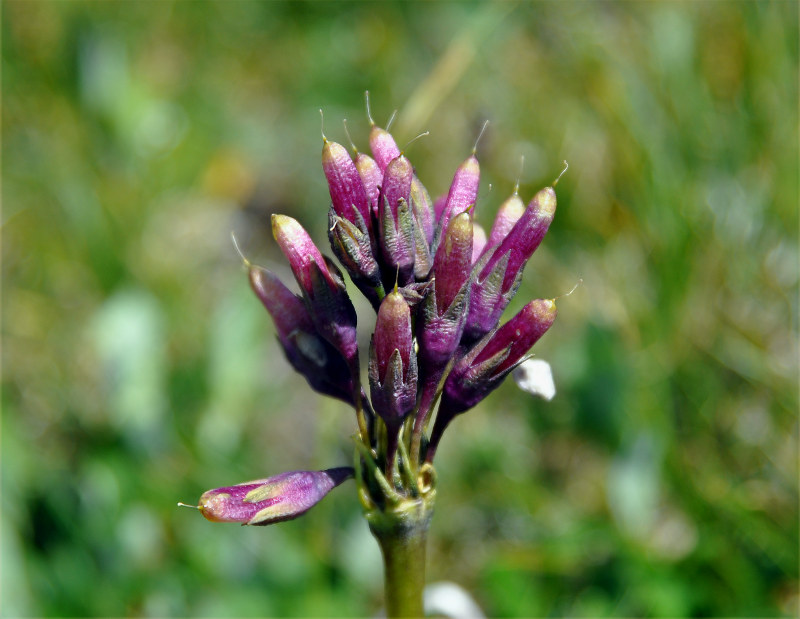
<point x="139" y="370"/>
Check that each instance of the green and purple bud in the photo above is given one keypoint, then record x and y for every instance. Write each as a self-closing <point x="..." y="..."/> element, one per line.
<point x="348" y="193"/>
<point x="444" y="309"/>
<point x="488" y="363"/>
<point x="499" y="271"/>
<point x="275" y="499"/>
<point x="393" y="362"/>
<point x="307" y="352"/>
<point x="353" y="248"/>
<point x="396" y="221"/>
<point x="322" y="285"/>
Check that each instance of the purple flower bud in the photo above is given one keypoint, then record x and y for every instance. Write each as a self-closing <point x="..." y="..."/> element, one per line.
<point x="383" y="146"/>
<point x="500" y="270"/>
<point x="307" y="352"/>
<point x="463" y="190"/>
<point x="423" y="209"/>
<point x="443" y="312"/>
<point x="393" y="365"/>
<point x="438" y="207"/>
<point x="275" y="499"/>
<point x="347" y="191"/>
<point x="396" y="222"/>
<point x="323" y="287"/>
<point x="371" y="178"/>
<point x="507" y="215"/>
<point x="478" y="241"/>
<point x="353" y="248"/>
<point x="397" y="179"/>
<point x="485" y="367"/>
<point x="453" y="261"/>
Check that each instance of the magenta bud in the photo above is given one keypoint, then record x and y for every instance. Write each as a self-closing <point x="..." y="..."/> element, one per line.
<point x="500" y="269"/>
<point x="423" y="209"/>
<point x="453" y="261"/>
<point x="478" y="241"/>
<point x="275" y="499"/>
<point x="393" y="363"/>
<point x="507" y="216"/>
<point x="323" y="288"/>
<point x="485" y="367"/>
<point x="348" y="195"/>
<point x="397" y="179"/>
<point x="383" y="146"/>
<point x="371" y="177"/>
<point x="307" y="352"/>
<point x="463" y="190"/>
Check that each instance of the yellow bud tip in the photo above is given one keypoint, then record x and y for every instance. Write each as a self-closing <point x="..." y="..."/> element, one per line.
<point x="566" y="167"/>
<point x="322" y="125"/>
<point x="187" y="505"/>
<point x="369" y="112"/>
<point x="547" y="200"/>
<point x="480" y="135"/>
<point x="246" y="262"/>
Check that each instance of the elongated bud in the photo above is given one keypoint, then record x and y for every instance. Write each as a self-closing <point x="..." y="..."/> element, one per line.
<point x="348" y="195"/>
<point x="307" y="352"/>
<point x="393" y="332"/>
<point x="500" y="270"/>
<point x="485" y="367"/>
<point x="453" y="261"/>
<point x="393" y="365"/>
<point x="275" y="499"/>
<point x="507" y="216"/>
<point x="371" y="177"/>
<point x="463" y="190"/>
<point x="323" y="288"/>
<point x="397" y="179"/>
<point x="383" y="146"/>
<point x="423" y="209"/>
<point x="478" y="241"/>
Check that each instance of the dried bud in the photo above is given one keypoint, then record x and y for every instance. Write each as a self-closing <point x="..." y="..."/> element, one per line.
<point x="347" y="191"/>
<point x="275" y="499"/>
<point x="308" y="353"/>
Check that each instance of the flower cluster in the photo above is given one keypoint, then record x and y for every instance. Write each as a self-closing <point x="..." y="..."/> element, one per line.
<point x="439" y="285"/>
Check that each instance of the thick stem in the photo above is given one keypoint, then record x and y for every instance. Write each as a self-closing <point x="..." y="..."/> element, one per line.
<point x="402" y="534"/>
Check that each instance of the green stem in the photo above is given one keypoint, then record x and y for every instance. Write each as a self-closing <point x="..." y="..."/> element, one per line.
<point x="402" y="533"/>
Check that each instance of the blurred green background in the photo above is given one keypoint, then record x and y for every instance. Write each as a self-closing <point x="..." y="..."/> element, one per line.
<point x="139" y="370"/>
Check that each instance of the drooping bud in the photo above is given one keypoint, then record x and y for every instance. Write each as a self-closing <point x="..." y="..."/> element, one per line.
<point x="307" y="352"/>
<point x="383" y="146"/>
<point x="393" y="365"/>
<point x="348" y="195"/>
<point x="322" y="285"/>
<point x="463" y="191"/>
<point x="353" y="248"/>
<point x="500" y="270"/>
<point x="275" y="499"/>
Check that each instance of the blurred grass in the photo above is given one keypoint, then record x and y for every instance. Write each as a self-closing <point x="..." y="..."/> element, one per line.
<point x="138" y="370"/>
